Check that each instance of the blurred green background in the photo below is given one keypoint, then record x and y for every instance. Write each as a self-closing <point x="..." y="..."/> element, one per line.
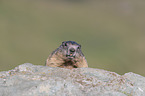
<point x="111" y="32"/>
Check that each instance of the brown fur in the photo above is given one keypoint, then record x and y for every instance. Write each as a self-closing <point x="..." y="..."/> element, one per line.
<point x="58" y="57"/>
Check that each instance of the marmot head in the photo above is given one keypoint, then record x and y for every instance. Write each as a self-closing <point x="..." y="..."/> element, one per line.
<point x="67" y="55"/>
<point x="71" y="49"/>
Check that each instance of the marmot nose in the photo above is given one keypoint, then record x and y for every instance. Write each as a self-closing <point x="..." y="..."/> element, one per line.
<point x="72" y="50"/>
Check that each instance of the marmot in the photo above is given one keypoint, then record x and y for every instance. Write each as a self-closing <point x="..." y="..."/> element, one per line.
<point x="67" y="55"/>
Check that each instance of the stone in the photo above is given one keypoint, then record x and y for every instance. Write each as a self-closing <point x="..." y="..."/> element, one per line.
<point x="35" y="80"/>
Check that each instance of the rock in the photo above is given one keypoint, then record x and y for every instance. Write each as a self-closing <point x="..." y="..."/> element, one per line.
<point x="36" y="80"/>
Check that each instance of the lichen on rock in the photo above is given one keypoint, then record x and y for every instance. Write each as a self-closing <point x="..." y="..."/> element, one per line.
<point x="35" y="80"/>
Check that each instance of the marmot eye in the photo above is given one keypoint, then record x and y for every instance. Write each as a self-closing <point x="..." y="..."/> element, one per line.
<point x="79" y="47"/>
<point x="65" y="44"/>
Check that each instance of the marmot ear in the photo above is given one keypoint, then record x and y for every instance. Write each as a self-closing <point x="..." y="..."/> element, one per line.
<point x="80" y="46"/>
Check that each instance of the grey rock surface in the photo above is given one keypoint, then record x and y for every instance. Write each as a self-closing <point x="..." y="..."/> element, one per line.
<point x="35" y="80"/>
